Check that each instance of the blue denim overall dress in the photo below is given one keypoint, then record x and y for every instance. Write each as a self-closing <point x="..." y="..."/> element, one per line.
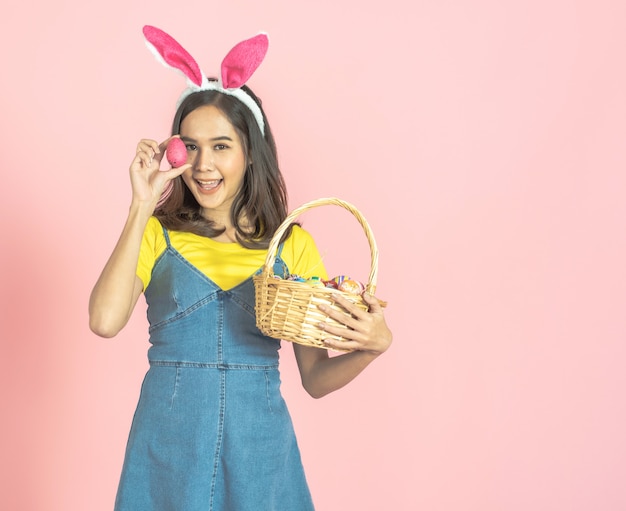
<point x="211" y="431"/>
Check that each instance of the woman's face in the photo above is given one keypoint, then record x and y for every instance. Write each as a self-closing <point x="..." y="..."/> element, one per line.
<point x="218" y="161"/>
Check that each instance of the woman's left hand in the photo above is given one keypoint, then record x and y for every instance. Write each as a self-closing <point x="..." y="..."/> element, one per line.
<point x="367" y="330"/>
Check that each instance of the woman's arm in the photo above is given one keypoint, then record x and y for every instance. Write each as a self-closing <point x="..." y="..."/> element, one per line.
<point x="117" y="290"/>
<point x="367" y="334"/>
<point x="115" y="294"/>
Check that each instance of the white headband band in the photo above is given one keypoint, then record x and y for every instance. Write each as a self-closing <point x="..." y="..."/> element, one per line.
<point x="236" y="92"/>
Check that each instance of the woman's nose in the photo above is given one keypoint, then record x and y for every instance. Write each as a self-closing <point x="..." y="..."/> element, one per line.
<point x="204" y="161"/>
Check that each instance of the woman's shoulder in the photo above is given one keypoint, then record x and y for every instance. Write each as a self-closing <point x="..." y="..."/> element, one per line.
<point x="153" y="235"/>
<point x="299" y="237"/>
<point x="154" y="225"/>
<point x="301" y="254"/>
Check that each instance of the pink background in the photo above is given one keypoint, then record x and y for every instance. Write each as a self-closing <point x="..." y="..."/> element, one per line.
<point x="484" y="143"/>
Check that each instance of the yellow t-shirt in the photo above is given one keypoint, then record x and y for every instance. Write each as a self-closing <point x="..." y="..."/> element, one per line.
<point x="227" y="264"/>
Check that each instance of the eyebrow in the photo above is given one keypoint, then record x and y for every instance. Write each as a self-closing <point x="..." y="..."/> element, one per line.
<point x="214" y="139"/>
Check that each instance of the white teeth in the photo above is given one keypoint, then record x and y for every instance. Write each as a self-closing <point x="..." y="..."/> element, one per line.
<point x="208" y="185"/>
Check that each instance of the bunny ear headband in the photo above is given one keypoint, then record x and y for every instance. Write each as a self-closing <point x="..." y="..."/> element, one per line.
<point x="237" y="67"/>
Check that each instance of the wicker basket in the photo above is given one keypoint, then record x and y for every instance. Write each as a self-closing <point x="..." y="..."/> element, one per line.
<point x="288" y="310"/>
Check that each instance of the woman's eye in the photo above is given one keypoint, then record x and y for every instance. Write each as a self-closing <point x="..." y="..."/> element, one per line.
<point x="220" y="147"/>
<point x="190" y="147"/>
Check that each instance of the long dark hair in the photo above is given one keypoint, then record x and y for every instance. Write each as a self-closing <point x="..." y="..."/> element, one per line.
<point x="262" y="200"/>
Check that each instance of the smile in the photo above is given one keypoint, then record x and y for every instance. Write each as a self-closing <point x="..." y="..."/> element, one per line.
<point x="208" y="185"/>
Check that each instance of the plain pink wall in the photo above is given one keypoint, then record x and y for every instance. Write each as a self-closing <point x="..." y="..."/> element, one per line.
<point x="484" y="143"/>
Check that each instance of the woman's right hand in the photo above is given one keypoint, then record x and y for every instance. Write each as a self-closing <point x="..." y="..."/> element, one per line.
<point x="147" y="180"/>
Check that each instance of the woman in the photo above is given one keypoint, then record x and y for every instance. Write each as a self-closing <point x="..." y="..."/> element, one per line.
<point x="211" y="430"/>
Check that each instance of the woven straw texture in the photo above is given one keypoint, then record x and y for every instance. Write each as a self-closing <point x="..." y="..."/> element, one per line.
<point x="288" y="310"/>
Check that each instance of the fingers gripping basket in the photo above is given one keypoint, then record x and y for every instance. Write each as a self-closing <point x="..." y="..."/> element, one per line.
<point x="289" y="310"/>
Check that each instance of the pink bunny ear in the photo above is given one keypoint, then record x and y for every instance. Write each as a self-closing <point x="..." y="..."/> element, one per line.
<point x="243" y="60"/>
<point x="172" y="54"/>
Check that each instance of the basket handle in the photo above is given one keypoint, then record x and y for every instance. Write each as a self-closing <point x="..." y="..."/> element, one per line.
<point x="273" y="246"/>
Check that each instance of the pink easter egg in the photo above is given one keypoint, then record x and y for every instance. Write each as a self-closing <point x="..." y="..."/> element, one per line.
<point x="176" y="152"/>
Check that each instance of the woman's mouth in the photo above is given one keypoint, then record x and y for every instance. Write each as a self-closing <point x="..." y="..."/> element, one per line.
<point x="208" y="185"/>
